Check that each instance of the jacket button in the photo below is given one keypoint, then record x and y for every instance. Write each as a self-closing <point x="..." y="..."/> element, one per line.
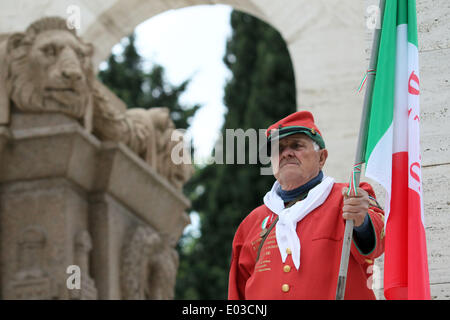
<point x="285" y="288"/>
<point x="288" y="251"/>
<point x="287" y="268"/>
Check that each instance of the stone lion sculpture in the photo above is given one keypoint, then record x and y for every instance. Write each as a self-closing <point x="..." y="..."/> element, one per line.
<point x="48" y="68"/>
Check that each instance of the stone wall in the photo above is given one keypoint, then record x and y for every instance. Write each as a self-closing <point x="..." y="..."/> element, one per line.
<point x="433" y="19"/>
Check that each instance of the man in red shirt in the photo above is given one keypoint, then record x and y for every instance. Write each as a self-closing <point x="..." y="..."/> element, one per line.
<point x="290" y="247"/>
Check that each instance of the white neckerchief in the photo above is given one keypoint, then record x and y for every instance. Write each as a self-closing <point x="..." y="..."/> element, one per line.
<point x="285" y="229"/>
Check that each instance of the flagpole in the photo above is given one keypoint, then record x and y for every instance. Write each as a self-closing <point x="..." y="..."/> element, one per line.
<point x="360" y="153"/>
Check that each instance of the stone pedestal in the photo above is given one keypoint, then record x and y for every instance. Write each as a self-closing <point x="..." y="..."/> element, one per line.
<point x="66" y="199"/>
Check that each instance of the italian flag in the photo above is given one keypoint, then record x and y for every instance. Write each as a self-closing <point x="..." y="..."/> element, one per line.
<point x="393" y="152"/>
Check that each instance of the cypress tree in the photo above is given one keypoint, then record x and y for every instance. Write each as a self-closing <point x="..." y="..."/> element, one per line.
<point x="260" y="92"/>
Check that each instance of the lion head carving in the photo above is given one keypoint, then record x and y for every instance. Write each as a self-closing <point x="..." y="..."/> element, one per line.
<point x="49" y="69"/>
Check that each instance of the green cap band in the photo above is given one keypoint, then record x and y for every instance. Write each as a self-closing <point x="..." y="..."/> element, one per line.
<point x="310" y="132"/>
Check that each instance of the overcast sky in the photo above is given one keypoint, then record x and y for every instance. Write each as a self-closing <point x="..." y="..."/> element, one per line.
<point x="190" y="42"/>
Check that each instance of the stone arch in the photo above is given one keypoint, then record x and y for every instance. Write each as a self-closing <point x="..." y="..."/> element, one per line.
<point x="123" y="17"/>
<point x="318" y="35"/>
<point x="326" y="39"/>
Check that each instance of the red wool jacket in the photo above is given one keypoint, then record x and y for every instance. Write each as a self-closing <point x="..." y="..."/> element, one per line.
<point x="321" y="236"/>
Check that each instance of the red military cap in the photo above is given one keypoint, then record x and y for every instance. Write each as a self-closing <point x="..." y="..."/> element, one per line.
<point x="297" y="122"/>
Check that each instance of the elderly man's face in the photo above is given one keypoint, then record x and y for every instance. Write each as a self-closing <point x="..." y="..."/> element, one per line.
<point x="297" y="162"/>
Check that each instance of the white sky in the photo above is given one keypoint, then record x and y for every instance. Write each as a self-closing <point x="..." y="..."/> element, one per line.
<point x="190" y="42"/>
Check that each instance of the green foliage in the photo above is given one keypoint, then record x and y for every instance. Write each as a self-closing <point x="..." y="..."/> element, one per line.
<point x="260" y="92"/>
<point x="126" y="77"/>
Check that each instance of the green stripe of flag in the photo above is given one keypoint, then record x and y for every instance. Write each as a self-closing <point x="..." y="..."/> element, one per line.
<point x="412" y="23"/>
<point x="406" y="14"/>
<point x="402" y="12"/>
<point x="382" y="110"/>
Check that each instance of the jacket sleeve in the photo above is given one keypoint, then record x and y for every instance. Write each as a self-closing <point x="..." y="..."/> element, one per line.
<point x="376" y="215"/>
